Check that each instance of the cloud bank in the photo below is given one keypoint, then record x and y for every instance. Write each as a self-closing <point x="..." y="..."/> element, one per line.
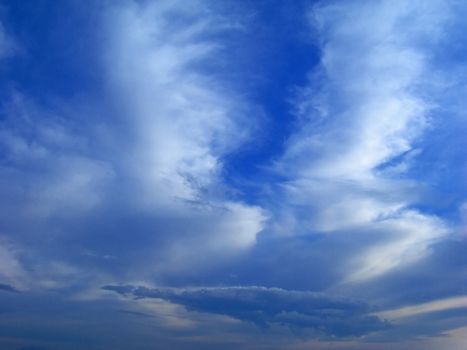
<point x="324" y="315"/>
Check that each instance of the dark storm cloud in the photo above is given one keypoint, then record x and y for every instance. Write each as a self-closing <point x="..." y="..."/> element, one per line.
<point x="322" y="315"/>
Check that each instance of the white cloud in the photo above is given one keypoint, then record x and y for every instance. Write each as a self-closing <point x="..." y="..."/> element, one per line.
<point x="361" y="118"/>
<point x="153" y="146"/>
<point x="412" y="233"/>
<point x="458" y="302"/>
<point x="213" y="234"/>
<point x="180" y="122"/>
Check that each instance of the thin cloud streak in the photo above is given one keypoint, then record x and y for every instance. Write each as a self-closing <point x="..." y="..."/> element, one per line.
<point x="432" y="306"/>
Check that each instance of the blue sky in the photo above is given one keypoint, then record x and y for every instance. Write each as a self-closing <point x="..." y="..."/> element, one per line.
<point x="233" y="174"/>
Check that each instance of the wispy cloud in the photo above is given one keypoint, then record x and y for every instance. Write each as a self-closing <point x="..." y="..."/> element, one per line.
<point x="152" y="147"/>
<point x="432" y="306"/>
<point x="121" y="179"/>
<point x="178" y="121"/>
<point x="360" y="121"/>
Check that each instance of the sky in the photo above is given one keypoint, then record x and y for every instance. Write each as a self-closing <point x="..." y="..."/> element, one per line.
<point x="233" y="174"/>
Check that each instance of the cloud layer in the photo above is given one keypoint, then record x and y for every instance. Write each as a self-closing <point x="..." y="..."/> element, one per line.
<point x="323" y="315"/>
<point x="146" y="143"/>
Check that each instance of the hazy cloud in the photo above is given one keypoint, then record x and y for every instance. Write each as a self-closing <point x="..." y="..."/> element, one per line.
<point x="324" y="315"/>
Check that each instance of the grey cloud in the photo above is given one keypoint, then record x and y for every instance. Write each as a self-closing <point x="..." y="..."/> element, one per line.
<point x="317" y="313"/>
<point x="8" y="288"/>
<point x="134" y="313"/>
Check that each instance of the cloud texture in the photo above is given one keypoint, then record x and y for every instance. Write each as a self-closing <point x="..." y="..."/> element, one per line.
<point x="233" y="173"/>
